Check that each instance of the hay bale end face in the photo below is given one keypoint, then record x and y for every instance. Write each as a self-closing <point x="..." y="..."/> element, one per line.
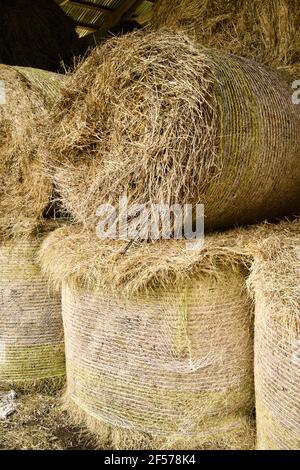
<point x="31" y="331"/>
<point x="176" y="124"/>
<point x="27" y="95"/>
<point x="36" y="34"/>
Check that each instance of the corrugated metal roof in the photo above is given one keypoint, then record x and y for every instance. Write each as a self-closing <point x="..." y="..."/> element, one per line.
<point x="94" y="15"/>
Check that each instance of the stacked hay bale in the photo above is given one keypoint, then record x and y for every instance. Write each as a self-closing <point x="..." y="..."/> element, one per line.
<point x="25" y="195"/>
<point x="31" y="337"/>
<point x="36" y="34"/>
<point x="163" y="120"/>
<point x="263" y="30"/>
<point x="274" y="281"/>
<point x="173" y="126"/>
<point x="169" y="365"/>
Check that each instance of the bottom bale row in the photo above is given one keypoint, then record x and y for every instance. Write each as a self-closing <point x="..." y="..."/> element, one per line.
<point x="165" y="348"/>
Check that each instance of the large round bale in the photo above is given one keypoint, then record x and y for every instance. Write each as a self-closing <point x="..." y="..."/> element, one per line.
<point x="36" y="34"/>
<point x="162" y="120"/>
<point x="31" y="330"/>
<point x="275" y="283"/>
<point x="263" y="30"/>
<point x="26" y="96"/>
<point x="170" y="367"/>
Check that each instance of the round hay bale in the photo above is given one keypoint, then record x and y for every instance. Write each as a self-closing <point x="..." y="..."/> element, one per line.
<point x="177" y="365"/>
<point x="168" y="367"/>
<point x="263" y="30"/>
<point x="158" y="118"/>
<point x="31" y="331"/>
<point x="36" y="34"/>
<point x="26" y="96"/>
<point x="275" y="283"/>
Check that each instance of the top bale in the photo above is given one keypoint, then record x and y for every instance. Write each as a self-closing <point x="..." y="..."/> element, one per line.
<point x="164" y="121"/>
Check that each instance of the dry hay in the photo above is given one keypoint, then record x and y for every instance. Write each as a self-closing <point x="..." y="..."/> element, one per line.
<point x="26" y="98"/>
<point x="36" y="34"/>
<point x="274" y="281"/>
<point x="40" y="423"/>
<point x="263" y="30"/>
<point x="31" y="330"/>
<point x="136" y="369"/>
<point x="77" y="257"/>
<point x="271" y="251"/>
<point x="157" y="118"/>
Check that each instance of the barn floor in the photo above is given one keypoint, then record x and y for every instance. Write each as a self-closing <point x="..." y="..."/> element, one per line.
<point x="39" y="423"/>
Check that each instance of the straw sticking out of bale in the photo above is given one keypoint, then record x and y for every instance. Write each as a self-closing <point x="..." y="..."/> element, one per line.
<point x="92" y="264"/>
<point x="275" y="283"/>
<point x="264" y="30"/>
<point x="138" y="85"/>
<point x="96" y="265"/>
<point x="36" y="34"/>
<point x="26" y="97"/>
<point x="173" y="126"/>
<point x="175" y="365"/>
<point x="31" y="333"/>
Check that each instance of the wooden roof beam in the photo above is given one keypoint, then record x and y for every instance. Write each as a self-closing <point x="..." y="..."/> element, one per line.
<point x="126" y="8"/>
<point x="88" y="27"/>
<point x="118" y="14"/>
<point x="88" y="6"/>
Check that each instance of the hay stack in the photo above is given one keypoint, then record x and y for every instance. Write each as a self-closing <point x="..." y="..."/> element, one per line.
<point x="31" y="332"/>
<point x="169" y="367"/>
<point x="263" y="30"/>
<point x="156" y="117"/>
<point x="27" y="95"/>
<point x="36" y="34"/>
<point x="275" y="283"/>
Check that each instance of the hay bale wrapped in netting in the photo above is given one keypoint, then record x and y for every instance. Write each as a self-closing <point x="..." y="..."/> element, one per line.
<point x="275" y="284"/>
<point x="26" y="96"/>
<point x="168" y="367"/>
<point x="163" y="121"/>
<point x="31" y="331"/>
<point x="36" y="34"/>
<point x="264" y="30"/>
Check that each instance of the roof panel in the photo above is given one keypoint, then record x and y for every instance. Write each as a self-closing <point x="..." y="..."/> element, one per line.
<point x="91" y="15"/>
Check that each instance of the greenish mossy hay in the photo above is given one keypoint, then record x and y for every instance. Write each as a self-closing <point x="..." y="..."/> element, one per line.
<point x="48" y="386"/>
<point x="162" y="120"/>
<point x="263" y="30"/>
<point x="239" y="434"/>
<point x="27" y="95"/>
<point x="31" y="331"/>
<point x="172" y="366"/>
<point x="274" y="282"/>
